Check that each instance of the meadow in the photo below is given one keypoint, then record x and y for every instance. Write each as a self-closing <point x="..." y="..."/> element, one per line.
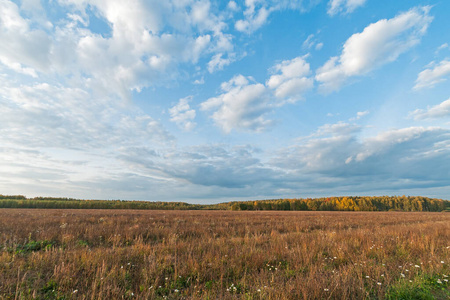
<point x="146" y="254"/>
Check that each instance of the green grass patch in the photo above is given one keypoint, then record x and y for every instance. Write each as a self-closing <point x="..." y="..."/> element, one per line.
<point x="33" y="246"/>
<point x="423" y="288"/>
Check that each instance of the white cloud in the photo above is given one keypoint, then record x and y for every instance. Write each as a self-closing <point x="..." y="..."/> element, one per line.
<point x="147" y="43"/>
<point x="379" y="43"/>
<point x="438" y="111"/>
<point x="335" y="158"/>
<point x="359" y="115"/>
<point x="442" y="47"/>
<point x="387" y="140"/>
<point x="311" y="42"/>
<point x="23" y="48"/>
<point x="182" y="114"/>
<point x="254" y="19"/>
<point x="199" y="81"/>
<point x="60" y="141"/>
<point x="430" y="77"/>
<point x="233" y="6"/>
<point x="242" y="105"/>
<point x="256" y="12"/>
<point x="343" y="6"/>
<point x="290" y="80"/>
<point x="217" y="62"/>
<point x="44" y="115"/>
<point x="337" y="129"/>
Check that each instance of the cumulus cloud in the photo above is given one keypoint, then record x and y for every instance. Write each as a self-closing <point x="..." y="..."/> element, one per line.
<point x="245" y="103"/>
<point x="429" y="77"/>
<point x="24" y="49"/>
<point x="438" y="111"/>
<point x="242" y="105"/>
<point x="232" y="6"/>
<point x="147" y="42"/>
<point x="343" y="6"/>
<point x="256" y="14"/>
<point x="379" y="43"/>
<point x="290" y="79"/>
<point x="182" y="114"/>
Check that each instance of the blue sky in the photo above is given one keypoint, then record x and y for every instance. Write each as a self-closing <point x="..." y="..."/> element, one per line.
<point x="209" y="101"/>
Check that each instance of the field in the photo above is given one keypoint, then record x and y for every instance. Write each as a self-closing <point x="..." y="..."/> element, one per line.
<point x="132" y="254"/>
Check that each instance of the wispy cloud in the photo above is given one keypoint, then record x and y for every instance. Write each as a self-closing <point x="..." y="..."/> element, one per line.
<point x="343" y="6"/>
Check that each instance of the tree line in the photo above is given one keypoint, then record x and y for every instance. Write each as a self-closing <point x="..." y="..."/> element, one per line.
<point x="351" y="203"/>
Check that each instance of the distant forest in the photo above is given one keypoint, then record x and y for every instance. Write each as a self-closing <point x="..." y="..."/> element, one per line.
<point x="352" y="203"/>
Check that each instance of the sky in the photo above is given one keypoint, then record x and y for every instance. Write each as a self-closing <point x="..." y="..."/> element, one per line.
<point x="207" y="101"/>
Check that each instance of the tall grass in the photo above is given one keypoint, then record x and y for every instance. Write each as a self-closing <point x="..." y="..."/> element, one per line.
<point x="126" y="254"/>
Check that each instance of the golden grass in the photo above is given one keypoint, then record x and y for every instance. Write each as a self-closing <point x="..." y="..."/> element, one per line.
<point x="125" y="254"/>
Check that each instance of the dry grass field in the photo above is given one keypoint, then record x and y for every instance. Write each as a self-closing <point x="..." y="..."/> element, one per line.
<point x="126" y="254"/>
